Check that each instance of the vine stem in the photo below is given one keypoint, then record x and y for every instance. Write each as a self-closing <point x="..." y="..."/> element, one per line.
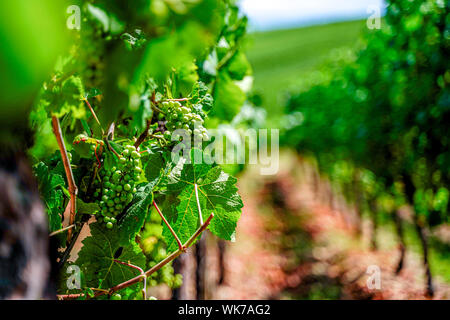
<point x="61" y="230"/>
<point x="180" y="99"/>
<point x="73" y="190"/>
<point x="198" y="204"/>
<point x="143" y="135"/>
<point x="180" y="244"/>
<point x="144" y="290"/>
<point x="111" y="135"/>
<point x="93" y="113"/>
<point x="149" y="272"/>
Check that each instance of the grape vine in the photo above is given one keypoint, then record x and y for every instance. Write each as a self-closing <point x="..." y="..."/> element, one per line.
<point x="114" y="101"/>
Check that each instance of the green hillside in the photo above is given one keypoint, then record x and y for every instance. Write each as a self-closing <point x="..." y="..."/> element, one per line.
<point x="280" y="57"/>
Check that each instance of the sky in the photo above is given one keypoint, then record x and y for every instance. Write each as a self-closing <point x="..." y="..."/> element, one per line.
<point x="275" y="14"/>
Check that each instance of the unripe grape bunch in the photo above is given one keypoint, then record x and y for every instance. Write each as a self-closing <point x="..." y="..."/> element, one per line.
<point x="182" y="117"/>
<point x="118" y="185"/>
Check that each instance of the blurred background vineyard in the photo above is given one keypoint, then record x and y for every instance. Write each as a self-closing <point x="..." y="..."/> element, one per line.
<point x="364" y="116"/>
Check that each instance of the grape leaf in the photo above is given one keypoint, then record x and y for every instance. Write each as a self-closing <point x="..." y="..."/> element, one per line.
<point x="55" y="205"/>
<point x="93" y="92"/>
<point x="87" y="208"/>
<point x="134" y="218"/>
<point x="201" y="97"/>
<point x="51" y="196"/>
<point x="110" y="160"/>
<point x="153" y="165"/>
<point x="96" y="258"/>
<point x="217" y="193"/>
<point x="239" y="66"/>
<point x="64" y="97"/>
<point x="228" y="98"/>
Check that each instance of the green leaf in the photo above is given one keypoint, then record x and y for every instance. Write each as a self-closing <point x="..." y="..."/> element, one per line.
<point x="52" y="198"/>
<point x="228" y="98"/>
<point x="108" y="21"/>
<point x="239" y="66"/>
<point x="67" y="97"/>
<point x="93" y="92"/>
<point x="55" y="206"/>
<point x="200" y="96"/>
<point x="153" y="165"/>
<point x="110" y="160"/>
<point x="47" y="181"/>
<point x="99" y="15"/>
<point x="85" y="126"/>
<point x="87" y="208"/>
<point x="140" y="106"/>
<point x="117" y="147"/>
<point x="133" y="220"/>
<point x="96" y="258"/>
<point x="217" y="193"/>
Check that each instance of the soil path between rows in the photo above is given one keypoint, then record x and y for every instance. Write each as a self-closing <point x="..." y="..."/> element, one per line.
<point x="335" y="264"/>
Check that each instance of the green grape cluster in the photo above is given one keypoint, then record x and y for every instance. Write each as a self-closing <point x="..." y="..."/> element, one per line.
<point x="182" y="117"/>
<point x="118" y="185"/>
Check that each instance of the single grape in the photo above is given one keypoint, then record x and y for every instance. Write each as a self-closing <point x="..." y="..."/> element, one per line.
<point x="109" y="225"/>
<point x="135" y="155"/>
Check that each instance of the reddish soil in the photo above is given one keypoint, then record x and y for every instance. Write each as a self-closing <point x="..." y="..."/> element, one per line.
<point x="270" y="261"/>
